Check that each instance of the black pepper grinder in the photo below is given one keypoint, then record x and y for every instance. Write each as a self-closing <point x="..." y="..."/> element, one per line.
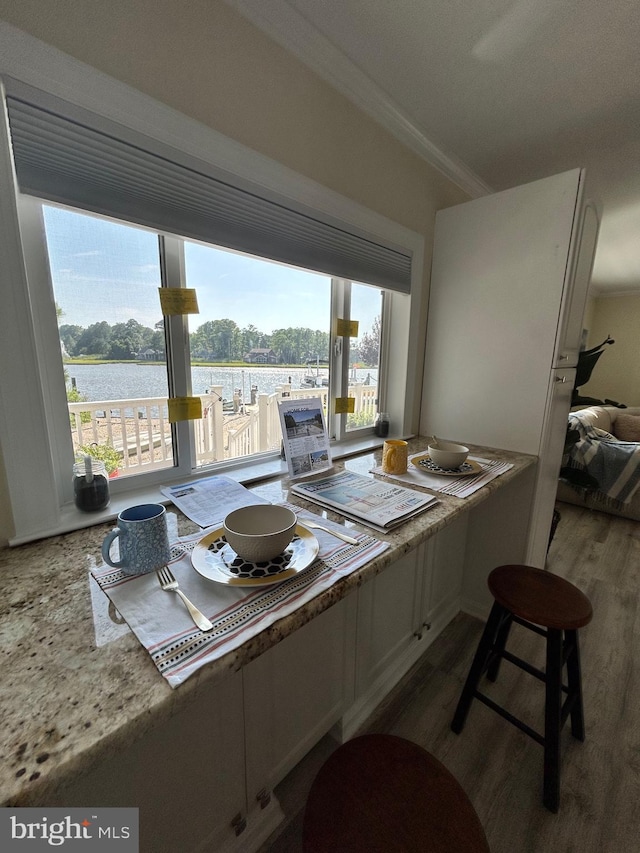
<point x="90" y="485"/>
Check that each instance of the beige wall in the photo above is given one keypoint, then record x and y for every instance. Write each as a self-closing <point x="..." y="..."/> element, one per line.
<point x="616" y="376"/>
<point x="205" y="60"/>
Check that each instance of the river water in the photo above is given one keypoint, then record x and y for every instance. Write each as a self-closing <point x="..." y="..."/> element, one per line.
<point x="132" y="381"/>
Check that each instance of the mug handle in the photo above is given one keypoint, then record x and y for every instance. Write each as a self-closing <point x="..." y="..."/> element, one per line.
<point x="106" y="548"/>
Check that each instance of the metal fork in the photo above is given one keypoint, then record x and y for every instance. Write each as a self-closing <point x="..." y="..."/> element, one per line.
<point x="170" y="584"/>
<point x="305" y="522"/>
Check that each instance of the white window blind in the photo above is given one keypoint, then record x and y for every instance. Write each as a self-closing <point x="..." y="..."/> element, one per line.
<point x="66" y="154"/>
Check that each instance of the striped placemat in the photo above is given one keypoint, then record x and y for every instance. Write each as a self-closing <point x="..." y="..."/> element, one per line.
<point x="177" y="647"/>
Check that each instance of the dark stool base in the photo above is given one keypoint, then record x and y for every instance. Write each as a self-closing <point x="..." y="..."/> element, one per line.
<point x="384" y="794"/>
<point x="562" y="649"/>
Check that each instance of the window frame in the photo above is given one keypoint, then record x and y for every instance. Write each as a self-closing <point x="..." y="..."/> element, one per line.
<point x="29" y="323"/>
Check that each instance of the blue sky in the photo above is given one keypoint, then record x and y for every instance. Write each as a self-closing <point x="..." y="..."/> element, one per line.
<point x="103" y="270"/>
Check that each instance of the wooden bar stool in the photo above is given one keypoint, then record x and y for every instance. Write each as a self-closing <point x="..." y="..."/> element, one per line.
<point x="534" y="598"/>
<point x="383" y="794"/>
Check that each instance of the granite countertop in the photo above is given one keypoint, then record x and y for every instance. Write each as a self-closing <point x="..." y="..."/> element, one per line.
<point x="77" y="684"/>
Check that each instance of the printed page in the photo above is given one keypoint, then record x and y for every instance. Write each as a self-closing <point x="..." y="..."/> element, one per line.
<point x="304" y="433"/>
<point x="209" y="501"/>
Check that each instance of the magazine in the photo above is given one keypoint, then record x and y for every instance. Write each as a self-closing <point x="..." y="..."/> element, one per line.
<point x="379" y="504"/>
<point x="306" y="442"/>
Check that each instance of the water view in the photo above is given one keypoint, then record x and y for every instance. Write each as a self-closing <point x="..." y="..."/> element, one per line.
<point x="133" y="380"/>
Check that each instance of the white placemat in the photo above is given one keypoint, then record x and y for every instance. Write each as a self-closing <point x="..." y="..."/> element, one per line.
<point x="460" y="487"/>
<point x="178" y="648"/>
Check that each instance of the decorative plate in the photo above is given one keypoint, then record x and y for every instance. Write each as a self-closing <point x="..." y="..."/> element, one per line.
<point x="215" y="560"/>
<point x="425" y="463"/>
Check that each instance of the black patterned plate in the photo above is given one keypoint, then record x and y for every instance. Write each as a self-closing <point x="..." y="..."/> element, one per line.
<point x="425" y="463"/>
<point x="215" y="559"/>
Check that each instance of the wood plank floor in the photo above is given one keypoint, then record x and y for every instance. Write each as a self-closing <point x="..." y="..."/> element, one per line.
<point x="501" y="768"/>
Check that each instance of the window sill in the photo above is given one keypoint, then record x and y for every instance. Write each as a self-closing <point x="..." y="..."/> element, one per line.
<point x="70" y="518"/>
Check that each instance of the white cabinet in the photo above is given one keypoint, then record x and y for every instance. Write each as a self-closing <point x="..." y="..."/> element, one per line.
<point x="191" y="764"/>
<point x="294" y="693"/>
<point x="442" y="585"/>
<point x="387" y="621"/>
<point x="400" y="612"/>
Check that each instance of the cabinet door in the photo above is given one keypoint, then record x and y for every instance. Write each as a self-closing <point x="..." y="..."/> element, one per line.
<point x="443" y="585"/>
<point x="388" y="613"/>
<point x="190" y="765"/>
<point x="294" y="693"/>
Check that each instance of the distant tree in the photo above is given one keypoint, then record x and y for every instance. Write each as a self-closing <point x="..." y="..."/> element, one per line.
<point x="95" y="340"/>
<point x="253" y="338"/>
<point x="70" y="335"/>
<point x="369" y="345"/>
<point x="157" y="343"/>
<point x="296" y="345"/>
<point x="219" y="340"/>
<point x="128" y="339"/>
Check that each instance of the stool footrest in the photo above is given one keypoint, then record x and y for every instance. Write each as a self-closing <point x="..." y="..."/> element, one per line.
<point x="530" y="625"/>
<point x="509" y="717"/>
<point x="522" y="664"/>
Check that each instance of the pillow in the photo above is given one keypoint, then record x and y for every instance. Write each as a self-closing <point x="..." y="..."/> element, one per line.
<point x="627" y="427"/>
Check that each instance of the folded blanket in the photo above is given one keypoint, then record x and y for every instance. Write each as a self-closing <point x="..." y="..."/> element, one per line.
<point x="615" y="465"/>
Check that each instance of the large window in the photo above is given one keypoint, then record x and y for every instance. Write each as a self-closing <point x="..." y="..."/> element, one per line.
<point x="263" y="333"/>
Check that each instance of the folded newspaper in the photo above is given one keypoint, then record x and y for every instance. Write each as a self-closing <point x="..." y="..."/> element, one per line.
<point x="379" y="504"/>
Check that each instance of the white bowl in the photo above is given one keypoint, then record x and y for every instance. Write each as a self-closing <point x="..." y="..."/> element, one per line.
<point x="448" y="455"/>
<point x="259" y="532"/>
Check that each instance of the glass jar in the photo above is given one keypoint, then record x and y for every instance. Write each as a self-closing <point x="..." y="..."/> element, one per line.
<point x="90" y="485"/>
<point x="381" y="424"/>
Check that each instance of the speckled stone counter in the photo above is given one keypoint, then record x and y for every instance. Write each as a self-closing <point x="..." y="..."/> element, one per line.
<point x="78" y="687"/>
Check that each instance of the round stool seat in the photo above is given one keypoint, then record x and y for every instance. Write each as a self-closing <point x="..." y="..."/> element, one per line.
<point x="540" y="597"/>
<point x="380" y="793"/>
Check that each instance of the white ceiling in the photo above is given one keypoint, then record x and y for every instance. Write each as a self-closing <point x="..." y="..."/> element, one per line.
<point x="495" y="93"/>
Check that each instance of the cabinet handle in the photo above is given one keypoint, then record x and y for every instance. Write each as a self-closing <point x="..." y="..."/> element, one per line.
<point x="417" y="635"/>
<point x="427" y="625"/>
<point x="239" y="823"/>
<point x="561" y="378"/>
<point x="264" y="798"/>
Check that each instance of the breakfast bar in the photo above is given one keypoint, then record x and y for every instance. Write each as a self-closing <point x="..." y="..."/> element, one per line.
<point x="89" y="720"/>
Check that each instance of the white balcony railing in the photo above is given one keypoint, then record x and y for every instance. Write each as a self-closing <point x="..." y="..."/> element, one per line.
<point x="140" y="433"/>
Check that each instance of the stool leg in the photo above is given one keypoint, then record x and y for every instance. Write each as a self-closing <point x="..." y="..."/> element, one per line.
<point x="552" y="716"/>
<point x="502" y="636"/>
<point x="574" y="680"/>
<point x="478" y="666"/>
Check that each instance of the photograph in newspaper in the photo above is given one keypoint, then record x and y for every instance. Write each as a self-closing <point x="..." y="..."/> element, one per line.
<point x="305" y="437"/>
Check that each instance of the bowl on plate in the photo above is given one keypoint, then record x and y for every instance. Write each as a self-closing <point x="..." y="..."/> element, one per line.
<point x="259" y="532"/>
<point x="448" y="455"/>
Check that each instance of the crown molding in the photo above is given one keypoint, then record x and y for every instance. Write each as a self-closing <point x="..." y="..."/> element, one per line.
<point x="291" y="30"/>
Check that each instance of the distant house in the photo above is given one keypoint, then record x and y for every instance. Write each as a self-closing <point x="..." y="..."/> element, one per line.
<point x="148" y="354"/>
<point x="261" y="356"/>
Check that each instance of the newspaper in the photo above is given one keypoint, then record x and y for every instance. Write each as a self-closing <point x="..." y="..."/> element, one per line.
<point x="208" y="501"/>
<point x="379" y="504"/>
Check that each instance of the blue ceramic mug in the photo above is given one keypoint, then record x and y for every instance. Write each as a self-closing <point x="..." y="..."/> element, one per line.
<point x="142" y="538"/>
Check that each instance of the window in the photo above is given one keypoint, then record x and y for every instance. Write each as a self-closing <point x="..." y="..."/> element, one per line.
<point x="286" y="214"/>
<point x="263" y="333"/>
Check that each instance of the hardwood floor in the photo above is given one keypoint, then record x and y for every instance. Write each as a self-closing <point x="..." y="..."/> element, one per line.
<point x="501" y="768"/>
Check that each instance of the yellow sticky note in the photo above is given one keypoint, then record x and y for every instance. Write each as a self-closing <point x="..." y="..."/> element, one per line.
<point x="347" y="328"/>
<point x="184" y="409"/>
<point x="345" y="405"/>
<point x="178" y="300"/>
